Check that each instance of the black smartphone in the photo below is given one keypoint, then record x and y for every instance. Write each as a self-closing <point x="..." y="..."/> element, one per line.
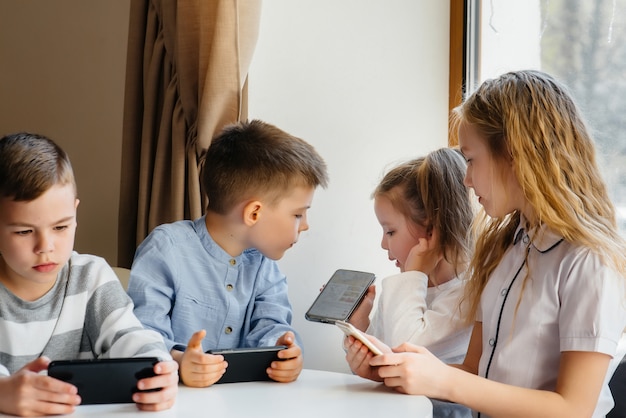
<point x="247" y="364"/>
<point x="102" y="381"/>
<point x="340" y="296"/>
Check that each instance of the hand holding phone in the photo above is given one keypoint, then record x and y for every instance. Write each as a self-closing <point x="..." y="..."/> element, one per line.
<point x="248" y="364"/>
<point x="350" y="330"/>
<point x="111" y="380"/>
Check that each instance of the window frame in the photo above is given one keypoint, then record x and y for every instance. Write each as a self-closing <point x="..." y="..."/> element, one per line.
<point x="464" y="51"/>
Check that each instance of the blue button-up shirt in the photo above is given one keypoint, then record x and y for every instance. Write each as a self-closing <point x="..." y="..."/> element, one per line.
<point x="181" y="281"/>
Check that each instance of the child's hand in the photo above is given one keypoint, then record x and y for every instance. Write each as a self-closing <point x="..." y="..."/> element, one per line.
<point x="358" y="357"/>
<point x="360" y="317"/>
<point x="28" y="393"/>
<point x="198" y="369"/>
<point x="290" y="365"/>
<point x="412" y="369"/>
<point x="424" y="256"/>
<point x="166" y="380"/>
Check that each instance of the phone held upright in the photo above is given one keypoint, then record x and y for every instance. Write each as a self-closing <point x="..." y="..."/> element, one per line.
<point x="340" y="296"/>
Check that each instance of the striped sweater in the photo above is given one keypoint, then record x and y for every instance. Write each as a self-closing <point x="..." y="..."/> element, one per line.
<point x="86" y="314"/>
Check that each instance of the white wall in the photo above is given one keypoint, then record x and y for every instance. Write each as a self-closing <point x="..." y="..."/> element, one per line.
<point x="365" y="82"/>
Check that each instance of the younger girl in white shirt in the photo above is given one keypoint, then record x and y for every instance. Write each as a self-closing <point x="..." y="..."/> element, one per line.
<point x="425" y="212"/>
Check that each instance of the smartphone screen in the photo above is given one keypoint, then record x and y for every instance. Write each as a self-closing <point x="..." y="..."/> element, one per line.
<point x="340" y="296"/>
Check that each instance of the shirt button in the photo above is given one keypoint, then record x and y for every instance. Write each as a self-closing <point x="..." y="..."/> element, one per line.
<point x="504" y="292"/>
<point x="232" y="261"/>
<point x="229" y="287"/>
<point x="228" y="330"/>
<point x="492" y="342"/>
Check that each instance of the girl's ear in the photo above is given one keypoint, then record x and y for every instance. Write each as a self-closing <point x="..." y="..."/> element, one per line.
<point x="252" y="212"/>
<point x="432" y="237"/>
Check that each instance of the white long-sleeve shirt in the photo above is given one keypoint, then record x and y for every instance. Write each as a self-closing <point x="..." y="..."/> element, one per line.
<point x="409" y="311"/>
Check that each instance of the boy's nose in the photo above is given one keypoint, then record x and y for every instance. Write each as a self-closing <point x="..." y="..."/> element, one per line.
<point x="44" y="244"/>
<point x="304" y="224"/>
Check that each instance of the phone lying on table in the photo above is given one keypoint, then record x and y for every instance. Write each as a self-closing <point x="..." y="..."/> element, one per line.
<point x="248" y="364"/>
<point x="101" y="381"/>
<point x="340" y="296"/>
<point x="351" y="330"/>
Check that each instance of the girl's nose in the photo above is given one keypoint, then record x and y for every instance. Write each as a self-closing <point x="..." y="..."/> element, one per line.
<point x="467" y="181"/>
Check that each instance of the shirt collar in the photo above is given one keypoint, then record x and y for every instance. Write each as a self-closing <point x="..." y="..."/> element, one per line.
<point x="543" y="239"/>
<point x="211" y="246"/>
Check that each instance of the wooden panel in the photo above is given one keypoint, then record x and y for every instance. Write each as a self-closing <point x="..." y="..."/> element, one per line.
<point x="457" y="51"/>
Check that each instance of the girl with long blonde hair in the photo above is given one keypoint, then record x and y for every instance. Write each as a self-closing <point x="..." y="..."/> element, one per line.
<point x="547" y="279"/>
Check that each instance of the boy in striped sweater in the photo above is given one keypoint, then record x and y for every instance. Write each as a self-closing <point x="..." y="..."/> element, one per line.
<point x="55" y="303"/>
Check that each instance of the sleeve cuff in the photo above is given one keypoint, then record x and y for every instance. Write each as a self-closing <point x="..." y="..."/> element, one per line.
<point x="179" y="347"/>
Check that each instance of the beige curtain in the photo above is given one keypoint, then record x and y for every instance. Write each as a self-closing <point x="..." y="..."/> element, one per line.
<point x="186" y="78"/>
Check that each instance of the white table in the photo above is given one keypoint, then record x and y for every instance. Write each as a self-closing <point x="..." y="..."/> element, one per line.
<point x="318" y="394"/>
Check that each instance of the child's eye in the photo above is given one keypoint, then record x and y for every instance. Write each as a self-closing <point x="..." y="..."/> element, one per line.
<point x="390" y="233"/>
<point x="24" y="232"/>
<point x="60" y="228"/>
<point x="299" y="216"/>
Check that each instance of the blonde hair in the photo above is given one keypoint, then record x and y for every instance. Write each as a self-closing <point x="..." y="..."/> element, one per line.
<point x="529" y="118"/>
<point x="429" y="191"/>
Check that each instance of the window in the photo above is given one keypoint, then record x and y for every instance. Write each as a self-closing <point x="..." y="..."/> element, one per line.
<point x="580" y="42"/>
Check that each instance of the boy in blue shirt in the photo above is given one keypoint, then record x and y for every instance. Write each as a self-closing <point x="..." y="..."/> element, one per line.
<point x="213" y="283"/>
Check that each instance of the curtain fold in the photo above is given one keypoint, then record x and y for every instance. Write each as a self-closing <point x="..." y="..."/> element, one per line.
<point x="186" y="78"/>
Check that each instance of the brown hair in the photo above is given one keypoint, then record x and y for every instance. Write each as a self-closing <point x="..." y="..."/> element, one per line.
<point x="430" y="192"/>
<point x="255" y="158"/>
<point x="30" y="164"/>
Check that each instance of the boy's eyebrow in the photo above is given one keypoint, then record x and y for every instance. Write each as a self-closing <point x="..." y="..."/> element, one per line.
<point x="60" y="221"/>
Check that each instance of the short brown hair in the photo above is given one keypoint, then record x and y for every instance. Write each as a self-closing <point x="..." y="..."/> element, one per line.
<point x="256" y="159"/>
<point x="30" y="164"/>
